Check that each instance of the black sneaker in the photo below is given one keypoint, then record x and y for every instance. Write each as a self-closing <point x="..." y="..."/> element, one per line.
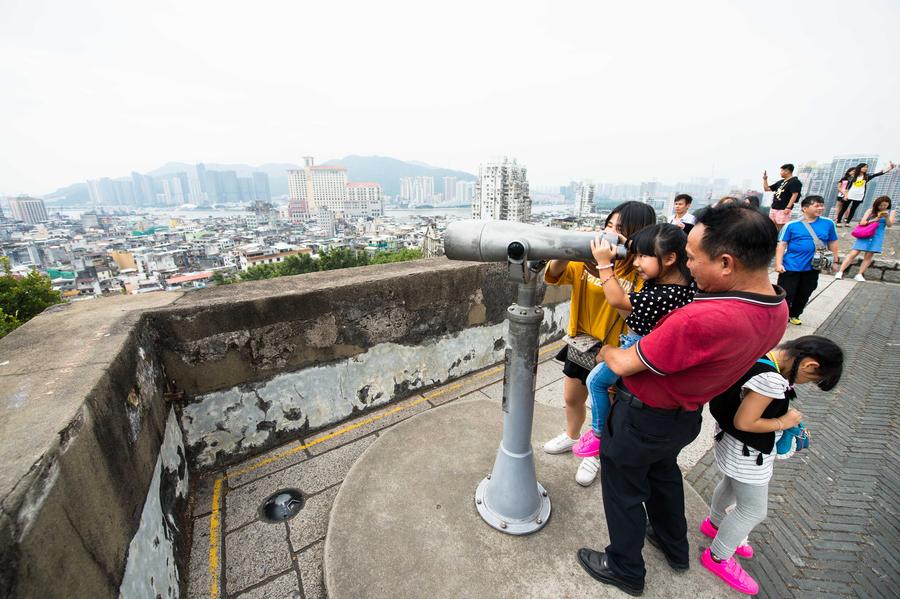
<point x="595" y="563"/>
<point x="656" y="542"/>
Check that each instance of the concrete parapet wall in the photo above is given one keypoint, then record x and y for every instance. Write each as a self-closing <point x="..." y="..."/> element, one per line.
<point x="324" y="347"/>
<point x="81" y="422"/>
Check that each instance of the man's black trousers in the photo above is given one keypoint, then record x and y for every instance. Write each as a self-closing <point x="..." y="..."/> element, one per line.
<point x="639" y="449"/>
<point x="798" y="286"/>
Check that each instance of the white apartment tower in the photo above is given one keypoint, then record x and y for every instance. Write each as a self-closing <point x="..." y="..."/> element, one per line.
<point x="364" y="199"/>
<point x="27" y="209"/>
<point x="584" y="198"/>
<point x="501" y="192"/>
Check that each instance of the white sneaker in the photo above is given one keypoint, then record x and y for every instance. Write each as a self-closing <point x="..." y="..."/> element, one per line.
<point x="561" y="443"/>
<point x="859" y="278"/>
<point x="839" y="275"/>
<point x="587" y="471"/>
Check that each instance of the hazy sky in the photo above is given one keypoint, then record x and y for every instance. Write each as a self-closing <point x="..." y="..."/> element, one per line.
<point x="615" y="91"/>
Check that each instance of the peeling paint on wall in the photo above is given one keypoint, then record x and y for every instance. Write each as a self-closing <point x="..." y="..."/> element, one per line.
<point x="147" y="390"/>
<point x="152" y="568"/>
<point x="252" y="417"/>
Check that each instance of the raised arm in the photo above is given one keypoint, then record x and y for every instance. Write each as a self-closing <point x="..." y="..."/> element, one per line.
<point x="555" y="268"/>
<point x="766" y="182"/>
<point x="615" y="295"/>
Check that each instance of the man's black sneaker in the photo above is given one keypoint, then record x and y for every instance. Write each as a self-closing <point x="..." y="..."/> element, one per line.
<point x="595" y="563"/>
<point x="656" y="542"/>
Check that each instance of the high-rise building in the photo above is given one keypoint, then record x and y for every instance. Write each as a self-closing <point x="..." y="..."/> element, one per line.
<point x="364" y="199"/>
<point x="143" y="189"/>
<point x="584" y="198"/>
<point x="885" y="185"/>
<point x="28" y="209"/>
<point x="261" y="187"/>
<point x="501" y="192"/>
<point x="450" y="189"/>
<point x="245" y="185"/>
<point x="314" y="187"/>
<point x="229" y="187"/>
<point x="465" y="192"/>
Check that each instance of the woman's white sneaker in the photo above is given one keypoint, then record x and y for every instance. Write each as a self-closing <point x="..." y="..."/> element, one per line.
<point x="587" y="471"/>
<point x="859" y="278"/>
<point x="839" y="275"/>
<point x="561" y="443"/>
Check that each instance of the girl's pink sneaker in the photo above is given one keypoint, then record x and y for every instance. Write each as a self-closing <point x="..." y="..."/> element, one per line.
<point x="731" y="572"/>
<point x="707" y="528"/>
<point x="588" y="445"/>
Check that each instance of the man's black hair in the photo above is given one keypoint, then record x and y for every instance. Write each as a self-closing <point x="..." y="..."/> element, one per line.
<point x="739" y="231"/>
<point x="752" y="201"/>
<point x="824" y="351"/>
<point x="810" y="200"/>
<point x="683" y="196"/>
<point x="788" y="167"/>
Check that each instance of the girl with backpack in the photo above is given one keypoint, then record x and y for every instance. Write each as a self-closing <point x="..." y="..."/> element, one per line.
<point x="750" y="418"/>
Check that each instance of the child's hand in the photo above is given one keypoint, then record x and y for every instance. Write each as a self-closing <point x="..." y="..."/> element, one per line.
<point x="603" y="252"/>
<point x="792" y="418"/>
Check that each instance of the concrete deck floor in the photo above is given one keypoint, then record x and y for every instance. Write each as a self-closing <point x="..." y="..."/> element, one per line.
<point x="235" y="554"/>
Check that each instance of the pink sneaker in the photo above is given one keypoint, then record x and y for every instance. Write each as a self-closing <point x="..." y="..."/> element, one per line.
<point x="731" y="572"/>
<point x="707" y="528"/>
<point x="588" y="445"/>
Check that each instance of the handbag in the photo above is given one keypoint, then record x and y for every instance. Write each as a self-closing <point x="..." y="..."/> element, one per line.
<point x="583" y="350"/>
<point x="822" y="259"/>
<point x="865" y="231"/>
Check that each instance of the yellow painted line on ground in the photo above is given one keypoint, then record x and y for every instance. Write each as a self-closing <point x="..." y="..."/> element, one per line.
<point x="214" y="524"/>
<point x="214" y="540"/>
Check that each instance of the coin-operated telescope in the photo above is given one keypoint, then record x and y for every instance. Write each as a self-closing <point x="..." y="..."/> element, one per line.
<point x="510" y="499"/>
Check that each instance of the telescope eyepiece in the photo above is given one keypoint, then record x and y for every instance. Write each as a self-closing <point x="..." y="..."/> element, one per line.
<point x="516" y="250"/>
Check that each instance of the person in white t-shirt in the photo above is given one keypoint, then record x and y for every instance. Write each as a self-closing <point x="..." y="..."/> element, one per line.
<point x="682" y="218"/>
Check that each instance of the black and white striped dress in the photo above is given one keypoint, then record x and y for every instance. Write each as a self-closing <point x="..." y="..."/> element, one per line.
<point x="729" y="451"/>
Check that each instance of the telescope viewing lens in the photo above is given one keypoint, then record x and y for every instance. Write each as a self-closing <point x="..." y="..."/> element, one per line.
<point x="516" y="250"/>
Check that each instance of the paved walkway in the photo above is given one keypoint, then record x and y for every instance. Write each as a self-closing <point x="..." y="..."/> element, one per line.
<point x="834" y="511"/>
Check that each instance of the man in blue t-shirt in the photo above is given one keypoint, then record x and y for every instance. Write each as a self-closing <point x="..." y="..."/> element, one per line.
<point x="795" y="251"/>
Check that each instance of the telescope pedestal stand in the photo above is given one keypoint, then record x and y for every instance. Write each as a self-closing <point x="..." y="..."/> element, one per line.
<point x="510" y="499"/>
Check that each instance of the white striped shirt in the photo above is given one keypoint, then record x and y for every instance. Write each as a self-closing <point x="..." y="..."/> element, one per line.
<point x="729" y="451"/>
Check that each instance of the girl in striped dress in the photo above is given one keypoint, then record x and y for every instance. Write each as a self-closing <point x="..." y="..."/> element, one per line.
<point x="750" y="418"/>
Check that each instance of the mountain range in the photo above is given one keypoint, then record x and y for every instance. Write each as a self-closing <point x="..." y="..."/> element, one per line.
<point x="378" y="169"/>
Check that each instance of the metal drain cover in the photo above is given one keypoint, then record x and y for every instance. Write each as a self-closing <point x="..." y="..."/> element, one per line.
<point x="282" y="505"/>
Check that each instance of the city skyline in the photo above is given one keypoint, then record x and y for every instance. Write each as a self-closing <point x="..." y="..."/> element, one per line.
<point x="104" y="89"/>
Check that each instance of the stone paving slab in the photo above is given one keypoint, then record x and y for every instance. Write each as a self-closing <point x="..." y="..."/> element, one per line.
<point x="311" y="477"/>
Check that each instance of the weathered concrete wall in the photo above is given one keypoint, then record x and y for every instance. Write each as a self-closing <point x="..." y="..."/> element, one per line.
<point x="317" y="349"/>
<point x="152" y="570"/>
<point x="81" y="421"/>
<point x="223" y="425"/>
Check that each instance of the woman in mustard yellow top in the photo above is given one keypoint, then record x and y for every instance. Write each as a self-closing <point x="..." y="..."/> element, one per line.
<point x="589" y="313"/>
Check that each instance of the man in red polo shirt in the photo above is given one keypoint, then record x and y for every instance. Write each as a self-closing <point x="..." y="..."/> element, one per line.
<point x="693" y="354"/>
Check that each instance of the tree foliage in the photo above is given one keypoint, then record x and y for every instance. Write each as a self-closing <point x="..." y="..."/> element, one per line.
<point x="23" y="298"/>
<point x="333" y="259"/>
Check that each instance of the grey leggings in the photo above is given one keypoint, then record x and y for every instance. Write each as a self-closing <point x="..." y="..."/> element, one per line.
<point x="750" y="501"/>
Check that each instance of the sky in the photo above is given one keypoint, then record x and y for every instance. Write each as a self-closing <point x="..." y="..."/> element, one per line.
<point x="612" y="91"/>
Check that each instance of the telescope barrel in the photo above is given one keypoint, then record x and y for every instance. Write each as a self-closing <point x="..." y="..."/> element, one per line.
<point x="488" y="241"/>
